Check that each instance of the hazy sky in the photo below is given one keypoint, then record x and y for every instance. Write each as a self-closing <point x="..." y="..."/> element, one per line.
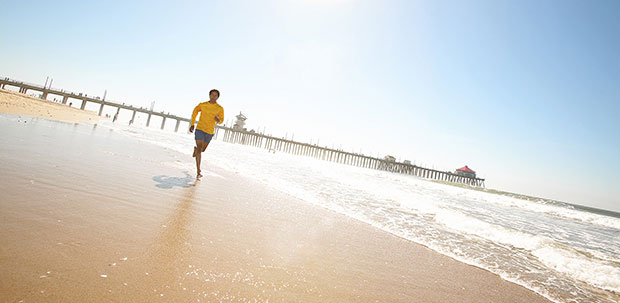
<point x="527" y="93"/>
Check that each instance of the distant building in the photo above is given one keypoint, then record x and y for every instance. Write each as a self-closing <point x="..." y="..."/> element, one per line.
<point x="465" y="172"/>
<point x="407" y="162"/>
<point x="389" y="158"/>
<point x="240" y="123"/>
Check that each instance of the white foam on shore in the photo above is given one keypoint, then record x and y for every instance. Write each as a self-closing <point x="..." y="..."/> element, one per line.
<point x="604" y="275"/>
<point x="562" y="258"/>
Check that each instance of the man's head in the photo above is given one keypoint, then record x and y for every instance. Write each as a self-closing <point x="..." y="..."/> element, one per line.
<point x="214" y="94"/>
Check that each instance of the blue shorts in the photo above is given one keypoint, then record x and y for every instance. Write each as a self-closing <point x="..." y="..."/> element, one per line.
<point x="202" y="136"/>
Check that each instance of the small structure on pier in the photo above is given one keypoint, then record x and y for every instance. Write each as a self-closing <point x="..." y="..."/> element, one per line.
<point x="389" y="158"/>
<point x="240" y="123"/>
<point x="465" y="172"/>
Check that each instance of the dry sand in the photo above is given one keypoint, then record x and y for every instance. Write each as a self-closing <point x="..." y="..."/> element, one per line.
<point x="21" y="104"/>
<point x="90" y="215"/>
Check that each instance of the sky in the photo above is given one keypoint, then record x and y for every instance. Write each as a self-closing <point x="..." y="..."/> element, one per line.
<point x="526" y="93"/>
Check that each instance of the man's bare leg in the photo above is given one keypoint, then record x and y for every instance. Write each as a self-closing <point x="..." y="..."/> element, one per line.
<point x="198" y="151"/>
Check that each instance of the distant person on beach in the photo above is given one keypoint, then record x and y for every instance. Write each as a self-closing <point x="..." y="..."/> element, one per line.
<point x="211" y="113"/>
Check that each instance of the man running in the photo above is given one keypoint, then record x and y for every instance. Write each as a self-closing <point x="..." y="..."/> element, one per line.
<point x="211" y="113"/>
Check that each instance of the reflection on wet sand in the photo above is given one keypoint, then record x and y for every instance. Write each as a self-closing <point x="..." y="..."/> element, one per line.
<point x="166" y="258"/>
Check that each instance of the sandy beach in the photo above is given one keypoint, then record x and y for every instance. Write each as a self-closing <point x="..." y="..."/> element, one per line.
<point x="89" y="215"/>
<point x="20" y="104"/>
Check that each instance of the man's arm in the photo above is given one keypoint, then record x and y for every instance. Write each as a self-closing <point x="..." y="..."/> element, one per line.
<point x="219" y="118"/>
<point x="194" y="115"/>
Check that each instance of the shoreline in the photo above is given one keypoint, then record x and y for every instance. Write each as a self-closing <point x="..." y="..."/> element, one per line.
<point x="245" y="237"/>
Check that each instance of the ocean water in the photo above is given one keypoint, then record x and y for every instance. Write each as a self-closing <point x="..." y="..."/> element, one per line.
<point x="562" y="252"/>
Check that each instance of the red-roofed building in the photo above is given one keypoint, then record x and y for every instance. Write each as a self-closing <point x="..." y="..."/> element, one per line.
<point x="465" y="172"/>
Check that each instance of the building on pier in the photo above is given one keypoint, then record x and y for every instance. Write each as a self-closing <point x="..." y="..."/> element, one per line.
<point x="240" y="123"/>
<point x="465" y="172"/>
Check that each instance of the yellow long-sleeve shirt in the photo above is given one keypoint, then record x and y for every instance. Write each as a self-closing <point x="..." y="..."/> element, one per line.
<point x="207" y="117"/>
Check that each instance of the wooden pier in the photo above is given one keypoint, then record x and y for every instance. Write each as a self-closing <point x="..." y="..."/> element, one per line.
<point x="70" y="96"/>
<point x="270" y="143"/>
<point x="274" y="144"/>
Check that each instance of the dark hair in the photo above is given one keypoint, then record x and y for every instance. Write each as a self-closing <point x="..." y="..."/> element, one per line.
<point x="215" y="90"/>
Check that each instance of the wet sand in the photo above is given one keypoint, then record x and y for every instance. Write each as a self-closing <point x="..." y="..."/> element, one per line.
<point x="20" y="104"/>
<point x="91" y="215"/>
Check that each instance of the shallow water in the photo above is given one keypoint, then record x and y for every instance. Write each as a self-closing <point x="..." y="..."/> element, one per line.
<point x="562" y="252"/>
